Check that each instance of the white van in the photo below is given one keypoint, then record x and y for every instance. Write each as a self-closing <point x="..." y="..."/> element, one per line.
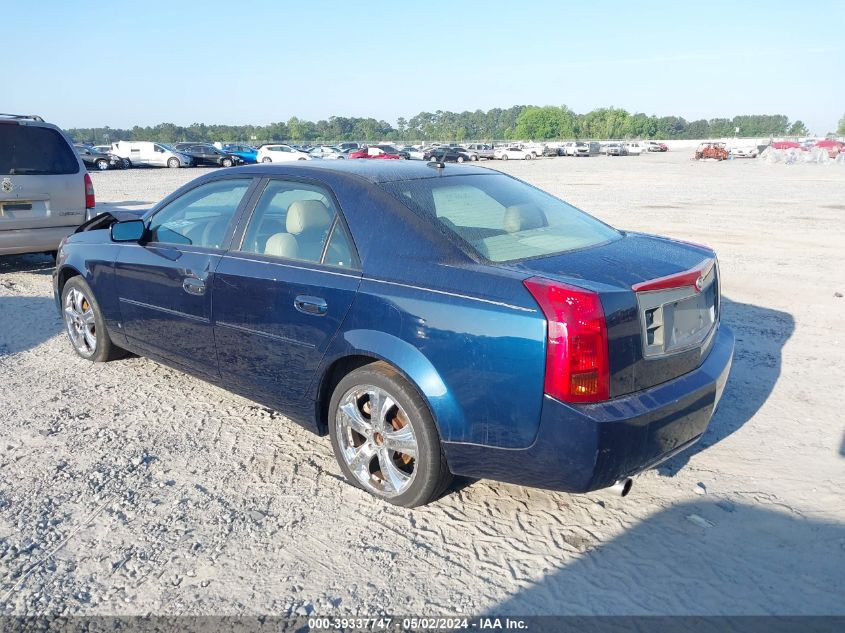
<point x="152" y="154"/>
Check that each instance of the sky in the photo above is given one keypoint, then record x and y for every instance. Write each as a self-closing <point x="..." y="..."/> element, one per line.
<point x="122" y="64"/>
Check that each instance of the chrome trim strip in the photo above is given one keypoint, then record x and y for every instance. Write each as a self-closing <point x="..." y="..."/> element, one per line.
<point x="450" y="294"/>
<point x="274" y="337"/>
<point x="283" y="265"/>
<point x="191" y="317"/>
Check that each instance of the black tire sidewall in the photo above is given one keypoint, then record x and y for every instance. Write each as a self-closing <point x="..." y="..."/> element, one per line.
<point x="104" y="346"/>
<point x="431" y="473"/>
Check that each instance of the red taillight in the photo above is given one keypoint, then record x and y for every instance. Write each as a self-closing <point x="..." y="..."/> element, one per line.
<point x="577" y="367"/>
<point x="90" y="200"/>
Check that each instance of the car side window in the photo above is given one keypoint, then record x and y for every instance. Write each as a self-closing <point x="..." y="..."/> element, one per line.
<point x="202" y="216"/>
<point x="297" y="221"/>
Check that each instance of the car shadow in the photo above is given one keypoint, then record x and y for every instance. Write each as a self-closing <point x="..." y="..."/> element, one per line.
<point x="39" y="263"/>
<point x="26" y="322"/>
<point x="701" y="558"/>
<point x="760" y="334"/>
<point x="842" y="448"/>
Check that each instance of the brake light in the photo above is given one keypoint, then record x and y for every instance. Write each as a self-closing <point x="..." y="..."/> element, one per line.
<point x="577" y="365"/>
<point x="90" y="200"/>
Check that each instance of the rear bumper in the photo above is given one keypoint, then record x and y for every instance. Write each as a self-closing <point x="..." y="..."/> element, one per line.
<point x="580" y="448"/>
<point x="18" y="241"/>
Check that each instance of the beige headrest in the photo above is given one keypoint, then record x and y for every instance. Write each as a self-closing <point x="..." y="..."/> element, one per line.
<point x="282" y="245"/>
<point x="523" y="217"/>
<point x="307" y="215"/>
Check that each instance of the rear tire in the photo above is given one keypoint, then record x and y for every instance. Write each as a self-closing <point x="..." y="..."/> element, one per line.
<point x="173" y="163"/>
<point x="266" y="159"/>
<point x="365" y="446"/>
<point x="84" y="323"/>
<point x="460" y="159"/>
<point x="504" y="156"/>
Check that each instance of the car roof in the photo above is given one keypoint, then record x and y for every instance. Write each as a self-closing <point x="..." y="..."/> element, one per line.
<point x="374" y="171"/>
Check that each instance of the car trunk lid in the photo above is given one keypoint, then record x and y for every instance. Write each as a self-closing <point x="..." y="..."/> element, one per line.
<point x="659" y="323"/>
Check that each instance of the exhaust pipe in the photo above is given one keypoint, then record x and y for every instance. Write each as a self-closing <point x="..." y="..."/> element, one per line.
<point x="622" y="487"/>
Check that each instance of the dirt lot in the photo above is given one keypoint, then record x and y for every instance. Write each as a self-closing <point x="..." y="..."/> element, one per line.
<point x="130" y="488"/>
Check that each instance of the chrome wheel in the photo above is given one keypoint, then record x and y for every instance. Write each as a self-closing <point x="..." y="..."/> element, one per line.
<point x="80" y="322"/>
<point x="376" y="440"/>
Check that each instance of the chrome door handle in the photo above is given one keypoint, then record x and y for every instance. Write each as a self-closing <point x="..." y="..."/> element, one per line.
<point x="193" y="286"/>
<point x="311" y="305"/>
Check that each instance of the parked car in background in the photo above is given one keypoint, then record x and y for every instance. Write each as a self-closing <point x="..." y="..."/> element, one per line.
<point x="481" y="150"/>
<point x="246" y="153"/>
<point x="327" y="152"/>
<point x="578" y="148"/>
<point x="372" y="151"/>
<point x="787" y="145"/>
<point x="446" y="154"/>
<point x="348" y="145"/>
<point x="150" y="154"/>
<point x="512" y="153"/>
<point x="100" y="161"/>
<point x="634" y="148"/>
<point x="45" y="190"/>
<point x="596" y="353"/>
<point x="656" y="146"/>
<point x="744" y="151"/>
<point x="206" y="154"/>
<point x="711" y="150"/>
<point x="615" y="149"/>
<point x="392" y="149"/>
<point x="833" y="147"/>
<point x="414" y="153"/>
<point x="280" y="153"/>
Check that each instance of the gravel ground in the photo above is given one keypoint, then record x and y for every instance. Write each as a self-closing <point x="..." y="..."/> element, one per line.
<point x="129" y="488"/>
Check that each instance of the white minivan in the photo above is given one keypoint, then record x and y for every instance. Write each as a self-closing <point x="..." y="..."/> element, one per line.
<point x="151" y="154"/>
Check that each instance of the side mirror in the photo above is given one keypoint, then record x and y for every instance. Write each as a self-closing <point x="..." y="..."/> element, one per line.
<point x="128" y="231"/>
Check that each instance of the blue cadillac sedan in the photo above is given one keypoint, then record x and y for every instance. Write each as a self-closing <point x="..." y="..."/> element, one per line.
<point x="432" y="320"/>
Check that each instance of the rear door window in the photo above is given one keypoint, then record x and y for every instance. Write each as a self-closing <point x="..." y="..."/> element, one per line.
<point x="37" y="151"/>
<point x="294" y="220"/>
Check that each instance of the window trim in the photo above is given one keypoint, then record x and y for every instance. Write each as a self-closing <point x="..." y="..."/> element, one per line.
<point x="239" y="236"/>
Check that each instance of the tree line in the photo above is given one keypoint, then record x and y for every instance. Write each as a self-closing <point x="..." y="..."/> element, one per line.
<point x="518" y="122"/>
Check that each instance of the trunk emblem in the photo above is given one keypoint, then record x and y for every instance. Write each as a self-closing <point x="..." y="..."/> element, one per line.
<point x="7" y="185"/>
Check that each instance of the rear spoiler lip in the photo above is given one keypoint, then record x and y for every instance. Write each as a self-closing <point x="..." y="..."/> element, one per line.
<point x="687" y="278"/>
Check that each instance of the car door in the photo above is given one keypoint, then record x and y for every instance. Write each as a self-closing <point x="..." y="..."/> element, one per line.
<point x="282" y="291"/>
<point x="164" y="284"/>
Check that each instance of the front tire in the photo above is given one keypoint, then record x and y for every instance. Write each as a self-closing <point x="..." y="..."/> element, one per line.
<point x="384" y="437"/>
<point x="227" y="162"/>
<point x="84" y="323"/>
<point x="460" y="159"/>
<point x="173" y="163"/>
<point x="504" y="156"/>
<point x="102" y="164"/>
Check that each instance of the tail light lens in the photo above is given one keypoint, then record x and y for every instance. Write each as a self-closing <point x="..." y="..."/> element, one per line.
<point x="577" y="366"/>
<point x="90" y="200"/>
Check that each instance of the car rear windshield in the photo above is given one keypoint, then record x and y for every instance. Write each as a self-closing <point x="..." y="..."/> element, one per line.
<point x="501" y="218"/>
<point x="32" y="150"/>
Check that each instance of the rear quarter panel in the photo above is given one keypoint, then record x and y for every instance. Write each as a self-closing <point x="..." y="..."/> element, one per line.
<point x="479" y="363"/>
